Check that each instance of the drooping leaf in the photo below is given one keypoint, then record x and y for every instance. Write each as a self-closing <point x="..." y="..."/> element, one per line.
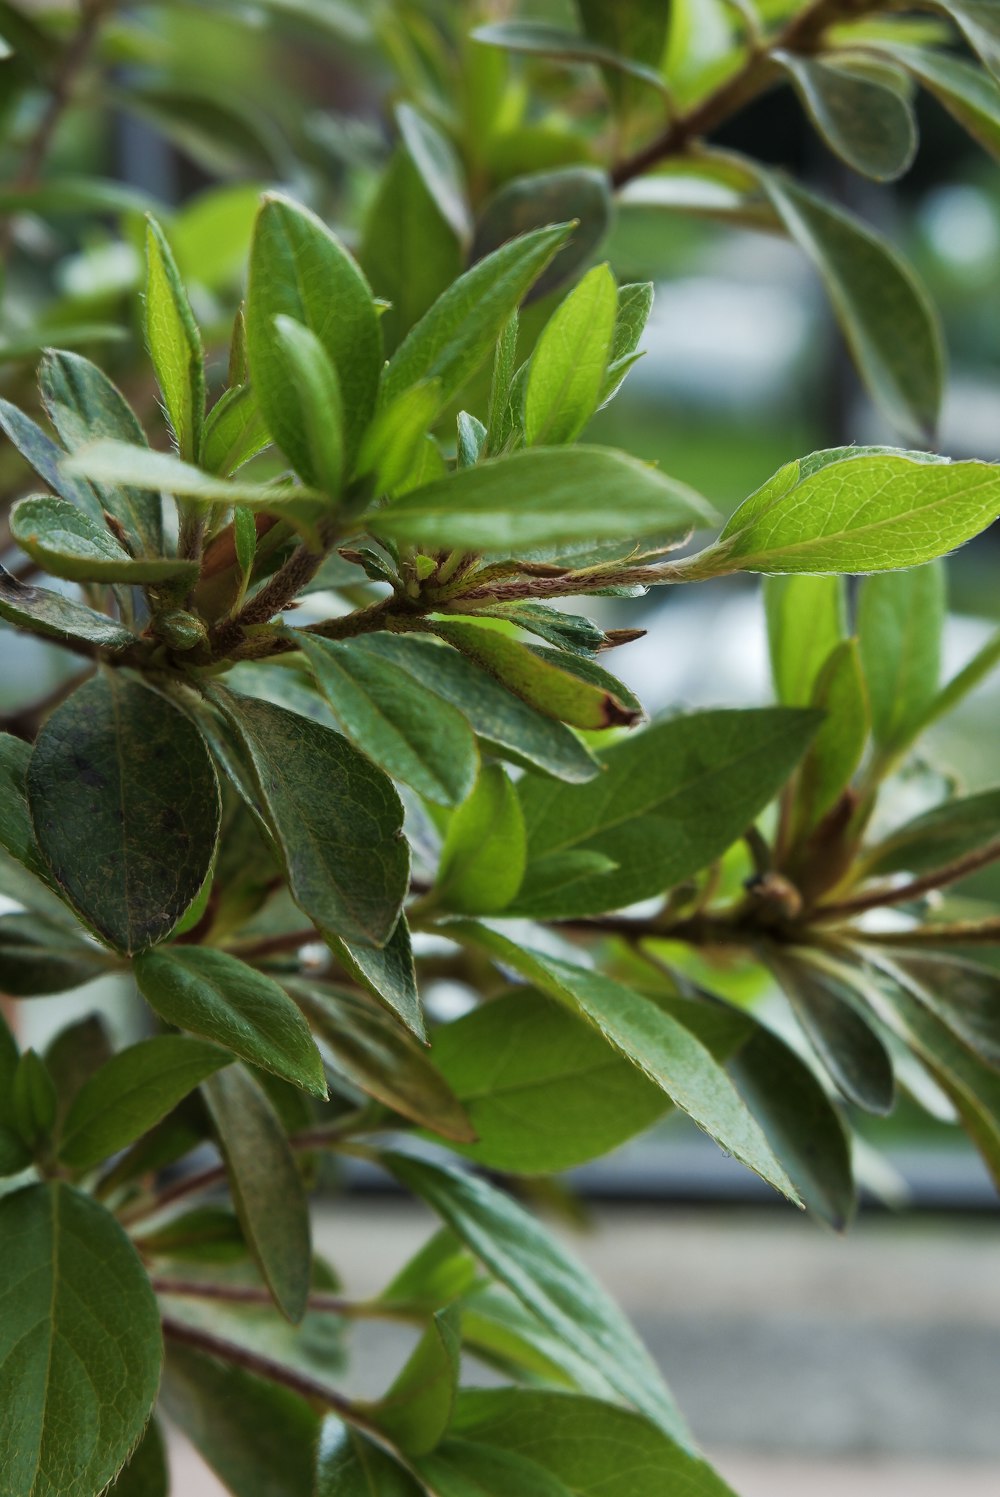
<point x="671" y="799"/>
<point x="483" y="857"/>
<point x="526" y="205"/>
<point x="174" y="344"/>
<point x="836" y="752"/>
<point x="805" y="623"/>
<point x="968" y="93"/>
<point x="83" y="405"/>
<point x="131" y="1093"/>
<point x="80" y="1347"/>
<point x="41" y="956"/>
<point x="964" y="995"/>
<point x="387" y="972"/>
<point x="213" y="994"/>
<point x="455" y="336"/>
<point x="336" y="819"/>
<point x="67" y="543"/>
<point x="544" y="1091"/>
<point x="412" y="734"/>
<point x="54" y="616"/>
<point x="866" y="123"/>
<point x="542" y="497"/>
<point x="267" y="1188"/>
<point x="125" y="805"/>
<point x="900" y="622"/>
<point x="568" y="367"/>
<point x="542" y="1275"/>
<point x="300" y="270"/>
<point x="351" y="1465"/>
<point x="850" y="1050"/>
<point x="375" y="1054"/>
<point x="939" y="836"/>
<point x="417" y="1409"/>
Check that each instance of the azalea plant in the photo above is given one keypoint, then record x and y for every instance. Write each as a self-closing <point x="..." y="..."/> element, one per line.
<point x="332" y="735"/>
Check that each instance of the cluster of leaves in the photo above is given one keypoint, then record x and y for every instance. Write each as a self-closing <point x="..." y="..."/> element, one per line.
<point x="250" y="814"/>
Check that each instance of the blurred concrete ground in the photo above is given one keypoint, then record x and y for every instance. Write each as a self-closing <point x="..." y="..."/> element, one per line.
<point x="809" y="1365"/>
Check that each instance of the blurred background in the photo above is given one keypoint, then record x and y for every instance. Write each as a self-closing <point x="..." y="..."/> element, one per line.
<point x="807" y="1364"/>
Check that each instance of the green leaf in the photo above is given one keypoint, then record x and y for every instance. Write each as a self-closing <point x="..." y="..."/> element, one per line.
<point x="850" y="1050"/>
<point x="174" y="344"/>
<point x="568" y="631"/>
<point x="413" y="735"/>
<point x="460" y="330"/>
<point x="41" y="956"/>
<point x="437" y="161"/>
<point x="82" y="405"/>
<point x="542" y="497"/>
<point x="416" y="1411"/>
<point x="837" y="749"/>
<point x="67" y="543"/>
<point x="482" y="861"/>
<point x="33" y="1101"/>
<point x="79" y="1344"/>
<point x="393" y="447"/>
<point x="74" y="1055"/>
<point x="538" y="39"/>
<point x="507" y="726"/>
<point x="543" y="1276"/>
<point x="671" y="800"/>
<point x="266" y="1186"/>
<point x="234" y="432"/>
<point x="637" y="29"/>
<point x="865" y="123"/>
<point x="300" y="270"/>
<point x="213" y="994"/>
<point x="883" y="311"/>
<point x="864" y="513"/>
<point x="939" y="836"/>
<point x="146" y="1474"/>
<point x="665" y="1051"/>
<point x="805" y="623"/>
<point x="567" y="372"/>
<point x="900" y="623"/>
<point x="543" y="1090"/>
<point x="387" y="972"/>
<point x="34" y="887"/>
<point x="578" y="197"/>
<point x="963" y="995"/>
<point x="54" y="616"/>
<point x="471" y="440"/>
<point x="801" y="1124"/>
<point x="594" y="1448"/>
<point x="970" y="95"/>
<point x="350" y="1465"/>
<point x="46" y="458"/>
<point x="461" y="1468"/>
<point x="336" y="819"/>
<point x="371" y="1051"/>
<point x="126" y="809"/>
<point x="258" y="1437"/>
<point x="635" y="302"/>
<point x="980" y="25"/>
<point x="131" y="1093"/>
<point x="313" y="405"/>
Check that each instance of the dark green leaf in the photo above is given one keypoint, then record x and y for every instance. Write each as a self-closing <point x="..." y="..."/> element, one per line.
<point x="266" y="1186"/>
<point x="40" y="956"/>
<point x="525" y="204"/>
<point x="850" y="1050"/>
<point x="336" y="818"/>
<point x="126" y="808"/>
<point x="543" y="1090"/>
<point x="900" y="622"/>
<point x="671" y="799"/>
<point x="865" y="123"/>
<point x="68" y="543"/>
<point x="437" y="161"/>
<point x="46" y="458"/>
<point x="980" y="24"/>
<point x="412" y="734"/>
<point x="16" y="832"/>
<point x="146" y="1474"/>
<point x="416" y="1411"/>
<point x="79" y="1344"/>
<point x="55" y="616"/>
<point x="805" y="623"/>
<point x="963" y="995"/>
<point x="213" y="994"/>
<point x="637" y="29"/>
<point x="350" y="1465"/>
<point x="33" y="1103"/>
<point x="542" y="1275"/>
<point x="131" y="1093"/>
<point x="387" y="972"/>
<point x="939" y="836"/>
<point x="836" y="752"/>
<point x="968" y="93"/>
<point x="542" y="497"/>
<point x="462" y="1468"/>
<point x="174" y="344"/>
<point x="74" y="1055"/>
<point x="483" y="857"/>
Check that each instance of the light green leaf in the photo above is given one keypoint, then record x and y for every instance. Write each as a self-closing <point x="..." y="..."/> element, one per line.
<point x="115" y="462"/>
<point x="456" y="335"/>
<point x="646" y="1034"/>
<point x="67" y="543"/>
<point x="46" y="458"/>
<point x="671" y="799"/>
<point x="393" y="447"/>
<point x="869" y="513"/>
<point x="483" y="858"/>
<point x="543" y="1090"/>
<point x="213" y="994"/>
<point x="413" y="735"/>
<point x="41" y="956"/>
<point x="313" y="405"/>
<point x="635" y="302"/>
<point x="437" y="161"/>
<point x="471" y="440"/>
<point x="234" y="432"/>
<point x="55" y="616"/>
<point x="416" y="1411"/>
<point x="83" y="405"/>
<point x="865" y="123"/>
<point x="837" y="749"/>
<point x="883" y="311"/>
<point x="542" y="497"/>
<point x="267" y="1188"/>
<point x="336" y="819"/>
<point x="131" y="1093"/>
<point x="371" y="1050"/>
<point x="125" y="805"/>
<point x="939" y="836"/>
<point x="174" y="344"/>
<point x="543" y="1276"/>
<point x="805" y="622"/>
<point x="80" y="1344"/>
<point x="300" y="270"/>
<point x="567" y="372"/>
<point x="538" y="39"/>
<point x="900" y="622"/>
<point x="851" y="1052"/>
<point x="350" y="1465"/>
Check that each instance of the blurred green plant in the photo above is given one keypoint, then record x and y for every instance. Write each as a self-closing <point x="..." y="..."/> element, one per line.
<point x="311" y="660"/>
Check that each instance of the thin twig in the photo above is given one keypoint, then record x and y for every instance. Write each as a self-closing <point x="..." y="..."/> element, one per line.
<point x="953" y="933"/>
